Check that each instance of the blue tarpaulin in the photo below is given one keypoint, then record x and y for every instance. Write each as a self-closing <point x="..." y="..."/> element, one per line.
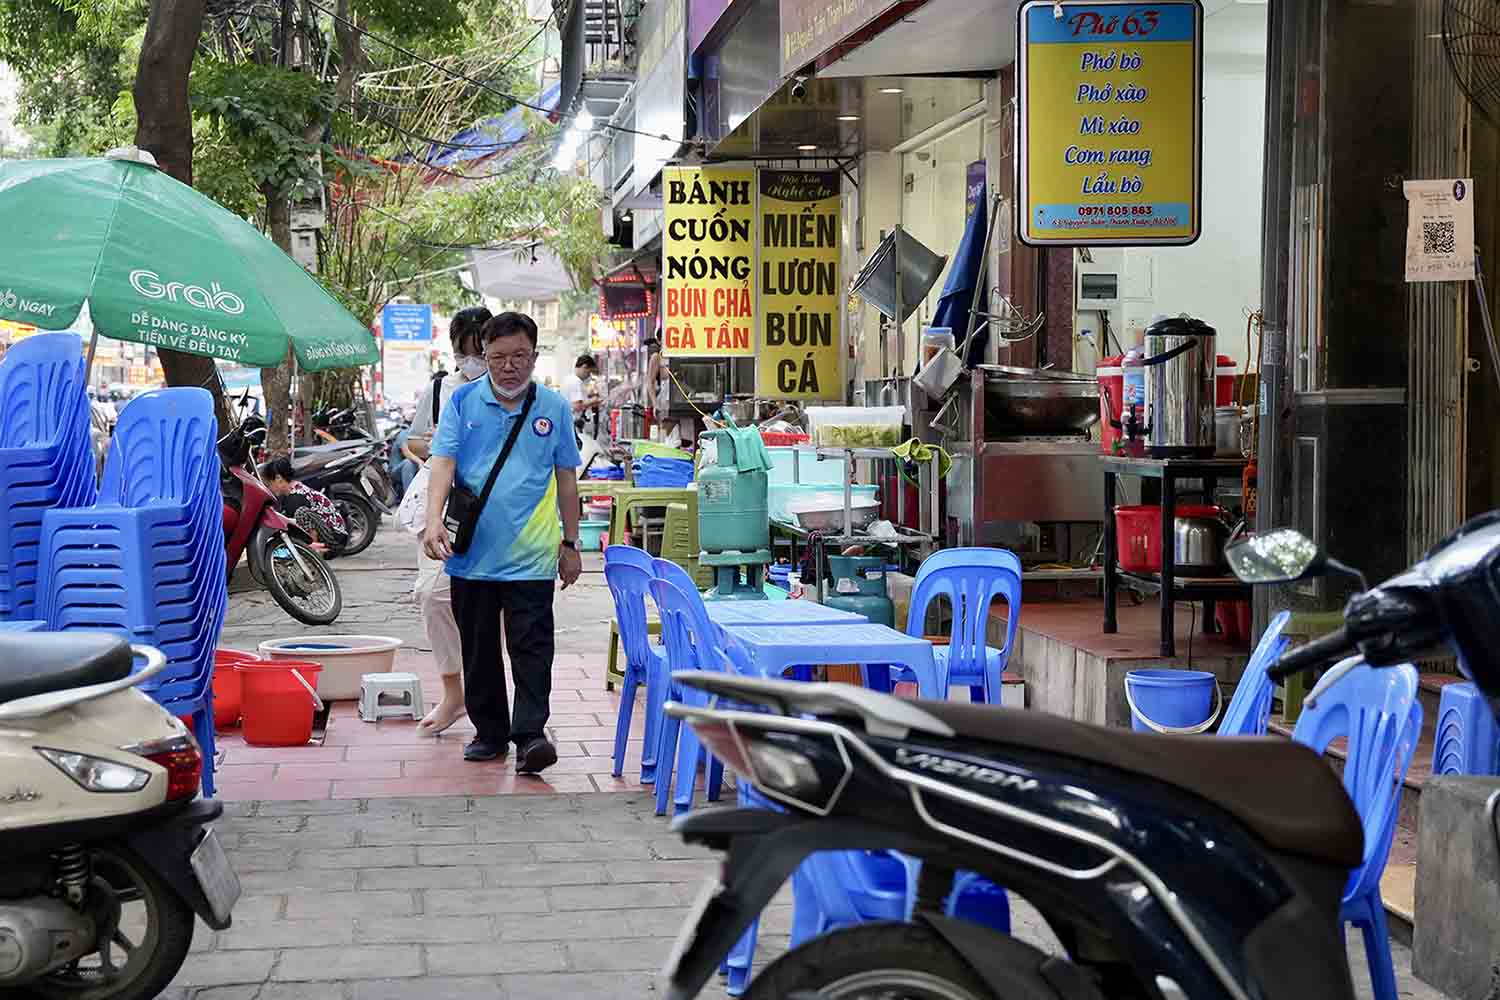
<point x="966" y="274"/>
<point x="492" y="136"/>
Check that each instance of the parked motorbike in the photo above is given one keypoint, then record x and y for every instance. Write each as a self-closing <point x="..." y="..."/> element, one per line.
<point x="108" y="854"/>
<point x="1168" y="866"/>
<point x="279" y="551"/>
<point x="354" y="474"/>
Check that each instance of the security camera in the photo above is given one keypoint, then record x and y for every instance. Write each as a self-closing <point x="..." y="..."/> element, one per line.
<point x="799" y="88"/>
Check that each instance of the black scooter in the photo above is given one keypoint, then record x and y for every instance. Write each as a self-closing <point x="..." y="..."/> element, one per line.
<point x="1169" y="867"/>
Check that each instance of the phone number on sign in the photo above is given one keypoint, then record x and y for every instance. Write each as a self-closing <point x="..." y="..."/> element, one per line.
<point x="1098" y="210"/>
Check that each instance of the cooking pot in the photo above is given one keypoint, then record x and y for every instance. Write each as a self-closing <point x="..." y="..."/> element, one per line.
<point x="1180" y="371"/>
<point x="1198" y="540"/>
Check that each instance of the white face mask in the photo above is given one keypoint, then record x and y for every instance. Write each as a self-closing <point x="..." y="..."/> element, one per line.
<point x="471" y="367"/>
<point x="505" y="393"/>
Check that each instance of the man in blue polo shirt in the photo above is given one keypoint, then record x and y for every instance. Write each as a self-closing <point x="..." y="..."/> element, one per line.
<point x="526" y="537"/>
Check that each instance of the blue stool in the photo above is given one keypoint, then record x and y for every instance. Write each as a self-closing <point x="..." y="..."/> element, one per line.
<point x="1468" y="736"/>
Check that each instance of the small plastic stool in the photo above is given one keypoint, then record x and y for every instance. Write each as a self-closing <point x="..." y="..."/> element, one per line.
<point x="403" y="690"/>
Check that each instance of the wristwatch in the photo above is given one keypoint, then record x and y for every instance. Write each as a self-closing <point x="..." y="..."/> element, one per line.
<point x="570" y="543"/>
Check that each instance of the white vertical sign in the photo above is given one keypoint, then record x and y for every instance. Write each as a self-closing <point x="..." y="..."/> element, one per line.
<point x="1440" y="230"/>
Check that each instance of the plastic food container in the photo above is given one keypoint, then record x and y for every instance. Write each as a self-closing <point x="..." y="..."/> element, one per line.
<point x="855" y="426"/>
<point x="934" y="340"/>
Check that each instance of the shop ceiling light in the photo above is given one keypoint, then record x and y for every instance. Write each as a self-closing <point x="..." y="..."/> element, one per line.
<point x="891" y="90"/>
<point x="584" y="121"/>
<point x="848" y="118"/>
<point x="807" y="147"/>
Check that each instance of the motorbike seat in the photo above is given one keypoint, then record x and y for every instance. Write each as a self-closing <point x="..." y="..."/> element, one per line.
<point x="42" y="662"/>
<point x="1280" y="790"/>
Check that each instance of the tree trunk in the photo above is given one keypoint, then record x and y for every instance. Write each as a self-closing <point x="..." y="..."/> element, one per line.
<point x="276" y="383"/>
<point x="164" y="128"/>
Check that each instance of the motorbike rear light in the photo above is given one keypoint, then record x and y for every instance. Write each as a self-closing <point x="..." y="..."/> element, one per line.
<point x="723" y="743"/>
<point x="181" y="758"/>
<point x="95" y="774"/>
<point x="783" y="770"/>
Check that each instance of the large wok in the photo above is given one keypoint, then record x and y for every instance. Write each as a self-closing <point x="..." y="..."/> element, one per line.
<point x="1028" y="401"/>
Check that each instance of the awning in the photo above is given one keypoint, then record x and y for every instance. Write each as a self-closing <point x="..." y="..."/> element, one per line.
<point x="940" y="37"/>
<point x="523" y="273"/>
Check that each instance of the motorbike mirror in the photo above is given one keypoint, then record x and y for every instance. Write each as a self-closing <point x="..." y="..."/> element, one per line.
<point x="1280" y="556"/>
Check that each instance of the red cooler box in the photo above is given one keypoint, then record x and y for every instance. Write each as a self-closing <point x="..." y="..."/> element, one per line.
<point x="1111" y="400"/>
<point x="1224" y="381"/>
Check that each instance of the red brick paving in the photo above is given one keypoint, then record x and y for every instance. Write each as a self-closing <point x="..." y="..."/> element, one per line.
<point x="388" y="759"/>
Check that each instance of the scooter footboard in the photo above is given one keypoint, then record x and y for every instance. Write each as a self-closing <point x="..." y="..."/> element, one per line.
<point x="764" y="848"/>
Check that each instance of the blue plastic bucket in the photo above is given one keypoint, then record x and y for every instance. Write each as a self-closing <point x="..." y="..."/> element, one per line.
<point x="1172" y="701"/>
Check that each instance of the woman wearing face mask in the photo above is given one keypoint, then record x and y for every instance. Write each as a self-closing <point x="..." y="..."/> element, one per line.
<point x="432" y="587"/>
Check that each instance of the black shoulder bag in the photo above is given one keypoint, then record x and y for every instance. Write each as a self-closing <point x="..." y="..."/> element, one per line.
<point x="461" y="515"/>
<point x="437" y="398"/>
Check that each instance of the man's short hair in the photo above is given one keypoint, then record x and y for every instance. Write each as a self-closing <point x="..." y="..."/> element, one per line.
<point x="586" y="360"/>
<point x="467" y="324"/>
<point x="509" y="324"/>
<point x="277" y="468"/>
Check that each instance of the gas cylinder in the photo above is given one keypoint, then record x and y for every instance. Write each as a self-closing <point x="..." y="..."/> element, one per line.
<point x="859" y="586"/>
<point x="733" y="514"/>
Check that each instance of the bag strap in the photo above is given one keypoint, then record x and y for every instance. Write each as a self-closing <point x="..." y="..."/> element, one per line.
<point x="510" y="442"/>
<point x="437" y="398"/>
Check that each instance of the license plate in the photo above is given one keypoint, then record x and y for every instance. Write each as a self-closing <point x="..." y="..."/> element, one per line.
<point x="215" y="875"/>
<point x="689" y="930"/>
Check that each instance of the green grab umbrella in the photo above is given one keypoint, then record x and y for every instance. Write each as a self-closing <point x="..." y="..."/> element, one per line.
<point x="160" y="263"/>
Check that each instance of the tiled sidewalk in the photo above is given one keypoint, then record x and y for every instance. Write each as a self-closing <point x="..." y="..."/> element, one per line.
<point x="359" y="760"/>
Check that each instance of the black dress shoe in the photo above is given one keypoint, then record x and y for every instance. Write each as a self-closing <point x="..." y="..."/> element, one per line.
<point x="536" y="756"/>
<point x="480" y="750"/>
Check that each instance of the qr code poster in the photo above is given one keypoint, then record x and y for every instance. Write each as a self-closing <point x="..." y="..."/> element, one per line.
<point x="1440" y="230"/>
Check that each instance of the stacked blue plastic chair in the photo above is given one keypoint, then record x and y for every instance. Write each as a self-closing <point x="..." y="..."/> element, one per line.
<point x="147" y="561"/>
<point x="1468" y="733"/>
<point x="46" y="456"/>
<point x="971" y="579"/>
<point x="1378" y="711"/>
<point x="1249" y="712"/>
<point x="627" y="571"/>
<point x="692" y="643"/>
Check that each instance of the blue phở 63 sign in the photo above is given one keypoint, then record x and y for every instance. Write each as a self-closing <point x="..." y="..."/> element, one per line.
<point x="1109" y="125"/>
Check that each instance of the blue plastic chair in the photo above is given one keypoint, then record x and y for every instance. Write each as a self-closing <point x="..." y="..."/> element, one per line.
<point x="630" y="556"/>
<point x="1378" y="711"/>
<point x="971" y="579"/>
<point x="691" y="643"/>
<point x="666" y="569"/>
<point x="1467" y="732"/>
<point x="645" y="664"/>
<point x="1249" y="711"/>
<point x="46" y="455"/>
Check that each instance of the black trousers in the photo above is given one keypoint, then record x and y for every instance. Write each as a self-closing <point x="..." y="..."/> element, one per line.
<point x="526" y="605"/>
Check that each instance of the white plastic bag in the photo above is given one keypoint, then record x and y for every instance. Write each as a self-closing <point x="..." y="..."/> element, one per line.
<point x="413" y="510"/>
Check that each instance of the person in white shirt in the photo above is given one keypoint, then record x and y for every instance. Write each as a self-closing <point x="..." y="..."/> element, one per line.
<point x="576" y="388"/>
<point x="433" y="590"/>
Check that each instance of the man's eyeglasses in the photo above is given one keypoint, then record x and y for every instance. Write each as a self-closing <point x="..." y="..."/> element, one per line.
<point x="513" y="362"/>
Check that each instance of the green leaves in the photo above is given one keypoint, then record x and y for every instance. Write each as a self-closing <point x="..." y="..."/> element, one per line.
<point x="264" y="112"/>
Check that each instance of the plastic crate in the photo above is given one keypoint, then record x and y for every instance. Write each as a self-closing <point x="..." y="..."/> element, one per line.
<point x="782" y="439"/>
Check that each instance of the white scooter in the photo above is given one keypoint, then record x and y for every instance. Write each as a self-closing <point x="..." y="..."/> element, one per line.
<point x="105" y="849"/>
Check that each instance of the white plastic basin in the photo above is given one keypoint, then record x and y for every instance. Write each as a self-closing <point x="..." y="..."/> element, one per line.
<point x="345" y="658"/>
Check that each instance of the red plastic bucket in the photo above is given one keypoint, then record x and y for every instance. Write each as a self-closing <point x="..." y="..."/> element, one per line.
<point x="1138" y="534"/>
<point x="280" y="697"/>
<point x="227" y="689"/>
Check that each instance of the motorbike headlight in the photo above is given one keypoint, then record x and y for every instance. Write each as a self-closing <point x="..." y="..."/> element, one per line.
<point x="95" y="774"/>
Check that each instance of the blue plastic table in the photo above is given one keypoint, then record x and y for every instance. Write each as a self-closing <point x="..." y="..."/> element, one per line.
<point x="771" y="650"/>
<point x="741" y="614"/>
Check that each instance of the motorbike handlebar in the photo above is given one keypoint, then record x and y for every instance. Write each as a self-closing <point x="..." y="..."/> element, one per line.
<point x="1333" y="646"/>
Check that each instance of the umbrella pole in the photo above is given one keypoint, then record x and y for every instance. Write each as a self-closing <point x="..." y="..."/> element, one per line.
<point x="88" y="367"/>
